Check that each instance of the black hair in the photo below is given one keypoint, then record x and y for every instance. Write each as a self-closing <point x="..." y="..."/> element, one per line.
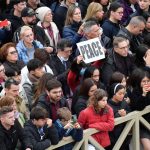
<point x="52" y="84"/>
<point x="9" y="82"/>
<point x="38" y="113"/>
<point x="34" y="64"/>
<point x="85" y="87"/>
<point x="136" y="77"/>
<point x="89" y="72"/>
<point x="12" y="72"/>
<point x="63" y="43"/>
<point x="113" y="7"/>
<point x="114" y="88"/>
<point x="140" y="53"/>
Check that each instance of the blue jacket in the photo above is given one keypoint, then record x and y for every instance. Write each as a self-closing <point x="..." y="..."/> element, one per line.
<point x="22" y="50"/>
<point x="77" y="134"/>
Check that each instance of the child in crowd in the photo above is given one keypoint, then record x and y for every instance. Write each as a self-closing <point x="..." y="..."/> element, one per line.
<point x="67" y="125"/>
<point x="120" y="108"/>
<point x="98" y="115"/>
<point x="40" y="130"/>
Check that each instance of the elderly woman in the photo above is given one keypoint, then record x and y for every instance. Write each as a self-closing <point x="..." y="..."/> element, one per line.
<point x="27" y="45"/>
<point x="9" y="57"/>
<point x="44" y="14"/>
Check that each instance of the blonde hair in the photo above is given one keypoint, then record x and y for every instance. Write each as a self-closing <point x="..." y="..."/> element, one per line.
<point x="92" y="9"/>
<point x="24" y="29"/>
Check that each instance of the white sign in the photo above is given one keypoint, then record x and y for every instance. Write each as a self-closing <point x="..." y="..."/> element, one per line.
<point x="91" y="50"/>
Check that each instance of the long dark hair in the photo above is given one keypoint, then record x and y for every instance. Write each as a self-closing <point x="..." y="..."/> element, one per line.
<point x="85" y="87"/>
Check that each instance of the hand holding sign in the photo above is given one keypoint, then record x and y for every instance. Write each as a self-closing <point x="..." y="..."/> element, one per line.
<point x="91" y="50"/>
<point x="4" y="23"/>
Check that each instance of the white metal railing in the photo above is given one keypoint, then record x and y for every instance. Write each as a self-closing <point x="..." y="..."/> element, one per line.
<point x="132" y="123"/>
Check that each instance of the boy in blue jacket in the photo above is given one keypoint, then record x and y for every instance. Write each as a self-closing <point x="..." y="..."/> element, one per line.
<point x="67" y="125"/>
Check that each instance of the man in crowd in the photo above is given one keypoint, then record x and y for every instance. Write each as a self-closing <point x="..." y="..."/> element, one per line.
<point x="53" y="99"/>
<point x="29" y="18"/>
<point x="60" y="63"/>
<point x="11" y="131"/>
<point x="118" y="59"/>
<point x="15" y="15"/>
<point x="36" y="71"/>
<point x="133" y="32"/>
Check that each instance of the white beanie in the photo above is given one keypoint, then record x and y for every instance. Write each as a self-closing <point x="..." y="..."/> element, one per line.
<point x="41" y="12"/>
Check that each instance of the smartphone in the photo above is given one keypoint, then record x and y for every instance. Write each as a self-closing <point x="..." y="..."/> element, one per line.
<point x="73" y="119"/>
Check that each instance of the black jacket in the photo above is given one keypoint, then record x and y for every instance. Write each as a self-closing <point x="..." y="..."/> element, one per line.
<point x="50" y="136"/>
<point x="60" y="72"/>
<point x="39" y="34"/>
<point x="114" y="135"/>
<point x="9" y="138"/>
<point x="115" y="62"/>
<point x="44" y="102"/>
<point x="139" y="102"/>
<point x="135" y="41"/>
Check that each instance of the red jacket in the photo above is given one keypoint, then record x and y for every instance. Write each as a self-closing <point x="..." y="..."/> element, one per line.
<point x="105" y="122"/>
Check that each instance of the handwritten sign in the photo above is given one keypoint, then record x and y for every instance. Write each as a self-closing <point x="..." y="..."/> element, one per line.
<point x="91" y="50"/>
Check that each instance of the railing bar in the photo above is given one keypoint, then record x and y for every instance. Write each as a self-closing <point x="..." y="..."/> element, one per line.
<point x="78" y="145"/>
<point x="135" y="134"/>
<point x="145" y="123"/>
<point x="123" y="135"/>
<point x="95" y="143"/>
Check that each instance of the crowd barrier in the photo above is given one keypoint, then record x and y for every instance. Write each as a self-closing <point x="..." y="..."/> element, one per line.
<point x="132" y="125"/>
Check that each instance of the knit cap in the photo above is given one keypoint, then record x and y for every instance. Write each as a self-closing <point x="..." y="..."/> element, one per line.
<point x="41" y="12"/>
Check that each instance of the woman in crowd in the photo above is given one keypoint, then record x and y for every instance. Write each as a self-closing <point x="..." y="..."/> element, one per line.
<point x="98" y="115"/>
<point x="94" y="10"/>
<point x="120" y="108"/>
<point x="44" y="14"/>
<point x="140" y="98"/>
<point x="87" y="88"/>
<point x="27" y="45"/>
<point x="142" y="52"/>
<point x="111" y="26"/>
<point x="73" y="25"/>
<point x="9" y="57"/>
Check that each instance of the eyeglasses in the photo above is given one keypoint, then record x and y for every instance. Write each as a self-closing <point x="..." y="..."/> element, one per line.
<point x="13" y="52"/>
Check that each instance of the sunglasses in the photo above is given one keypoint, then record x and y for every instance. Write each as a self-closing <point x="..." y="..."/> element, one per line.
<point x="13" y="52"/>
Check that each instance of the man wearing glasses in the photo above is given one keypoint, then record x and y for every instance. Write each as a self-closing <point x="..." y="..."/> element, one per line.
<point x="118" y="59"/>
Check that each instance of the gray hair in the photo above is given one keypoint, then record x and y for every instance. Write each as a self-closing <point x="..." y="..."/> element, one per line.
<point x="88" y="25"/>
<point x="137" y="20"/>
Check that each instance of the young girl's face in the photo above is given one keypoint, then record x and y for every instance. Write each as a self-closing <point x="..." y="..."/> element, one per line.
<point x="123" y="82"/>
<point x="145" y="82"/>
<point x="119" y="95"/>
<point x="103" y="102"/>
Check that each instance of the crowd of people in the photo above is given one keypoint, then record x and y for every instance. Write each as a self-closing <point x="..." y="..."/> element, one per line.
<point x="48" y="92"/>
